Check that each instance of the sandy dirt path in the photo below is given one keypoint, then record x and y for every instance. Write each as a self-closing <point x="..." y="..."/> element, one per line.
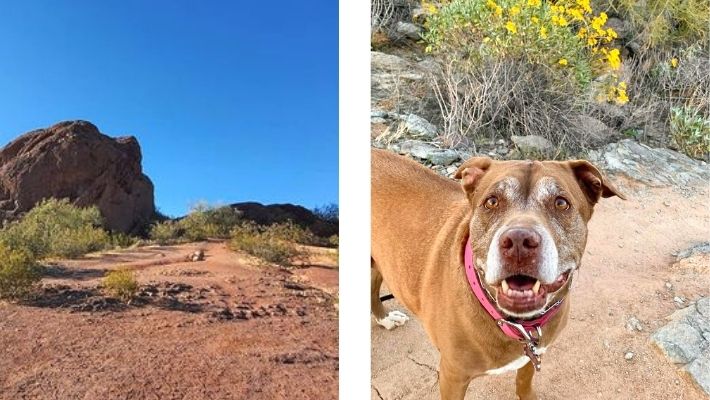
<point x="625" y="272"/>
<point x="178" y="342"/>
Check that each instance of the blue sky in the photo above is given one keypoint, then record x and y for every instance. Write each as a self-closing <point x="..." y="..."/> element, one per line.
<point x="230" y="100"/>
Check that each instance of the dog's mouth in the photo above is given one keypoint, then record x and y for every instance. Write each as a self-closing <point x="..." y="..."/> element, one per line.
<point x="523" y="294"/>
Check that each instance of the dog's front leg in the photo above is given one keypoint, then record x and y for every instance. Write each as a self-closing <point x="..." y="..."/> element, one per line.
<point x="523" y="382"/>
<point x="453" y="382"/>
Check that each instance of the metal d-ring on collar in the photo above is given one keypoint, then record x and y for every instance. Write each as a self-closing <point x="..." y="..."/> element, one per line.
<point x="530" y="340"/>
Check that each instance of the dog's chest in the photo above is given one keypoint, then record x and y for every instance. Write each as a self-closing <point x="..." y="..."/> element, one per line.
<point x="514" y="365"/>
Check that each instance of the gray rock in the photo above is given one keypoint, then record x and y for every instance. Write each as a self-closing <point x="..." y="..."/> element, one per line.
<point x="680" y="342"/>
<point x="654" y="167"/>
<point x="417" y="149"/>
<point x="431" y="153"/>
<point x="597" y="131"/>
<point x="699" y="369"/>
<point x="533" y="144"/>
<point x="701" y="248"/>
<point x="419" y="127"/>
<point x="408" y="30"/>
<point x="444" y="157"/>
<point x="684" y="340"/>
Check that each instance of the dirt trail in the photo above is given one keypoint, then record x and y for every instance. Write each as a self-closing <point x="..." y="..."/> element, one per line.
<point x="624" y="273"/>
<point x="222" y="328"/>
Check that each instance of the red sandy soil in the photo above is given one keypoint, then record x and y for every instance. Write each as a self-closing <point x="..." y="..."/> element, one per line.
<point x="625" y="272"/>
<point x="176" y="342"/>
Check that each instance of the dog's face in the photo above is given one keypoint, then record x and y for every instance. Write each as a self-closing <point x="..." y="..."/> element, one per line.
<point x="529" y="226"/>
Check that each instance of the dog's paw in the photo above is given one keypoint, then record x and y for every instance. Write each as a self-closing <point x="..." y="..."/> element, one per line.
<point x="393" y="320"/>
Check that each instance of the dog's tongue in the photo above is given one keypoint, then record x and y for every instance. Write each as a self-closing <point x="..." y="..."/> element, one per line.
<point x="520" y="282"/>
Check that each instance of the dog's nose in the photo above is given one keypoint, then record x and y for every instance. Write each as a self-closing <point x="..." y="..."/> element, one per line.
<point x="519" y="244"/>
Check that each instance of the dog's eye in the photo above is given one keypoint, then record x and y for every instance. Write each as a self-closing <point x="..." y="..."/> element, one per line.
<point x="561" y="204"/>
<point x="491" y="202"/>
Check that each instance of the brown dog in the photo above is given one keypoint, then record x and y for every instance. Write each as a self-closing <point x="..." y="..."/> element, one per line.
<point x="526" y="221"/>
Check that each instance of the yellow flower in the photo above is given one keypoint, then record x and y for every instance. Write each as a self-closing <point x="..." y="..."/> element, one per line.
<point x="582" y="33"/>
<point x="515" y="10"/>
<point x="584" y="4"/>
<point x="575" y="14"/>
<point x="591" y="41"/>
<point x="491" y="4"/>
<point x="621" y="97"/>
<point x="543" y="32"/>
<point x="562" y="61"/>
<point x="622" y="85"/>
<point x="486" y="39"/>
<point x="561" y="21"/>
<point x="674" y="62"/>
<point x="611" y="33"/>
<point x="534" y="3"/>
<point x="535" y="20"/>
<point x="510" y="26"/>
<point x="613" y="59"/>
<point x="499" y="11"/>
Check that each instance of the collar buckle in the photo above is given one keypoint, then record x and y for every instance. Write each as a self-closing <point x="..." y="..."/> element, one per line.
<point x="529" y="339"/>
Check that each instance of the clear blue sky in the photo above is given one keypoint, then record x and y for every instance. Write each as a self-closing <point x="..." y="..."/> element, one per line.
<point x="230" y="100"/>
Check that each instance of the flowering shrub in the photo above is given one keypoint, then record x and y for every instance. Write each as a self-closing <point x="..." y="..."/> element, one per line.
<point x="565" y="37"/>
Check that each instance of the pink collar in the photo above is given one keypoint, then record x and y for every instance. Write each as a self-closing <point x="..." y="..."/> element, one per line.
<point x="522" y="330"/>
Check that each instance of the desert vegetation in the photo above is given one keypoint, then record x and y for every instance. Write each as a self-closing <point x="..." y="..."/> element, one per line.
<point x="120" y="283"/>
<point x="280" y="244"/>
<point x="202" y="222"/>
<point x="558" y="70"/>
<point x="56" y="228"/>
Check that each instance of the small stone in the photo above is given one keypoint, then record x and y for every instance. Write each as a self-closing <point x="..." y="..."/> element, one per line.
<point x="678" y="300"/>
<point x="633" y="324"/>
<point x="628" y="356"/>
<point x="669" y="285"/>
<point x="666" y="203"/>
<point x="621" y="245"/>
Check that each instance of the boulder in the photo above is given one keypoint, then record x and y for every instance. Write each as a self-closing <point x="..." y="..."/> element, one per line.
<point x="74" y="160"/>
<point x="685" y="341"/>
<point x="653" y="166"/>
<point x="533" y="144"/>
<point x="408" y="30"/>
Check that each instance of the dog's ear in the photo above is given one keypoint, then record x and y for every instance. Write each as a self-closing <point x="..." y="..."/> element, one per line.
<point x="592" y="181"/>
<point x="471" y="171"/>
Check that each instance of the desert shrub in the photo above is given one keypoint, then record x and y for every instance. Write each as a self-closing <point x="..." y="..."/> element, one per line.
<point x="329" y="212"/>
<point x="57" y="228"/>
<point x="334" y="240"/>
<point x="275" y="244"/>
<point x="165" y="232"/>
<point x="690" y="131"/>
<point x="384" y="14"/>
<point x="206" y="221"/>
<point x="120" y="239"/>
<point x="523" y="67"/>
<point x="18" y="272"/>
<point x="121" y="283"/>
<point x="662" y="80"/>
<point x="666" y="24"/>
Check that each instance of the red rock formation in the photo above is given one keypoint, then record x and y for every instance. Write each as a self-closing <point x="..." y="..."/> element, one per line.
<point x="74" y="160"/>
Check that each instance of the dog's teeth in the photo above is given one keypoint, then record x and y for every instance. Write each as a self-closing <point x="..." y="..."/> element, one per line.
<point x="504" y="284"/>
<point x="536" y="287"/>
<point x="528" y="293"/>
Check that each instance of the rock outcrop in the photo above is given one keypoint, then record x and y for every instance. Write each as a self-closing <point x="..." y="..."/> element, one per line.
<point x="74" y="160"/>
<point x="276" y="213"/>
